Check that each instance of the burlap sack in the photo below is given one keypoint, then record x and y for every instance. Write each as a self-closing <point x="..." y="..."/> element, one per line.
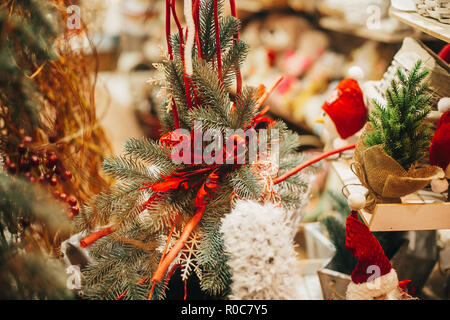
<point x="385" y="178"/>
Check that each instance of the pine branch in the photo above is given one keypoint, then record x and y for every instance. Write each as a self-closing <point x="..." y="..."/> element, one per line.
<point x="400" y="126"/>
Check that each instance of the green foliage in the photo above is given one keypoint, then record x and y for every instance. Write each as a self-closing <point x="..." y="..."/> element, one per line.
<point x="26" y="272"/>
<point x="25" y="44"/>
<point x="399" y="126"/>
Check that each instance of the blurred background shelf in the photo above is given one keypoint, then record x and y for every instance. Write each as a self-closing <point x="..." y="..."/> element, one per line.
<point x="428" y="25"/>
<point x="380" y="35"/>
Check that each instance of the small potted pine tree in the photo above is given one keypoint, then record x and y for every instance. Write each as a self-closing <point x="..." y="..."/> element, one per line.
<point x="389" y="157"/>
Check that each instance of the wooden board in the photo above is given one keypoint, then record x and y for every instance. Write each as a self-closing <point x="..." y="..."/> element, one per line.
<point x="423" y="210"/>
<point x="408" y="216"/>
<point x="428" y="25"/>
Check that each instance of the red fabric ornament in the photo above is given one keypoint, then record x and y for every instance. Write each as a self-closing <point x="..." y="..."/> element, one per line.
<point x="208" y="189"/>
<point x="184" y="179"/>
<point x="440" y="144"/>
<point x="364" y="246"/>
<point x="346" y="108"/>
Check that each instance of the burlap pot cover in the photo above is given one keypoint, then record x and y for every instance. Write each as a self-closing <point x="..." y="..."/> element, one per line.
<point x="385" y="178"/>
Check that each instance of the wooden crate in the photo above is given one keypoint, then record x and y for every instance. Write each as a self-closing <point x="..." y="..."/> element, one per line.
<point x="333" y="283"/>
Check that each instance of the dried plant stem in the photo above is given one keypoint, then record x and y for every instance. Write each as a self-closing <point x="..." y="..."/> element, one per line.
<point x="190" y="226"/>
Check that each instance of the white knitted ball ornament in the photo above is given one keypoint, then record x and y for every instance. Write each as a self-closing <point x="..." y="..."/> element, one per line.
<point x="444" y="105"/>
<point x="355" y="72"/>
<point x="356" y="201"/>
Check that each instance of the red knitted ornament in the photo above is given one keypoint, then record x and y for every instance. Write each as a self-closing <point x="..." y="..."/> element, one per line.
<point x="346" y="108"/>
<point x="364" y="246"/>
<point x="440" y="144"/>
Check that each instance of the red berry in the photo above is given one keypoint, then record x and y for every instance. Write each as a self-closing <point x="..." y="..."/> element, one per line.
<point x="72" y="201"/>
<point x="51" y="161"/>
<point x="21" y="147"/>
<point x="63" y="196"/>
<point x="53" y="181"/>
<point x="27" y="175"/>
<point x="75" y="210"/>
<point x="41" y="179"/>
<point x="67" y="175"/>
<point x="12" y="168"/>
<point x="32" y="179"/>
<point x="56" y="194"/>
<point x="34" y="160"/>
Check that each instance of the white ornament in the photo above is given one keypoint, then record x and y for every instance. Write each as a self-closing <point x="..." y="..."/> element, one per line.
<point x="262" y="256"/>
<point x="356" y="201"/>
<point x="356" y="73"/>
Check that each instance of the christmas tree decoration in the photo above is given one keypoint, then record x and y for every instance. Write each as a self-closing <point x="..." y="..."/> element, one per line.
<point x="345" y="113"/>
<point x="395" y="140"/>
<point x="373" y="277"/>
<point x="165" y="212"/>
<point x="51" y="145"/>
<point x="258" y="239"/>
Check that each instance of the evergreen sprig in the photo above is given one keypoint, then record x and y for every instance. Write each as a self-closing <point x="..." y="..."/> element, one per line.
<point x="399" y="125"/>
